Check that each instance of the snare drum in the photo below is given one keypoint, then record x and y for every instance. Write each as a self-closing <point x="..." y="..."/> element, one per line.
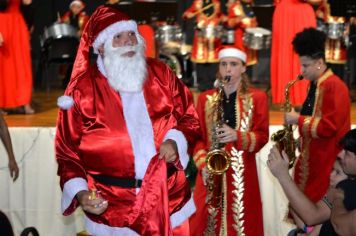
<point x="335" y="30"/>
<point x="60" y="42"/>
<point x="210" y="31"/>
<point x="257" y="38"/>
<point x="169" y="33"/>
<point x="59" y="30"/>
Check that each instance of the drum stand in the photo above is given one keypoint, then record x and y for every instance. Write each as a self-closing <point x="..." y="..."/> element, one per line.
<point x="348" y="67"/>
<point x="57" y="52"/>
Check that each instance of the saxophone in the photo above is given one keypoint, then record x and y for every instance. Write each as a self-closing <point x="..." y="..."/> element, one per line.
<point x="284" y="138"/>
<point x="217" y="160"/>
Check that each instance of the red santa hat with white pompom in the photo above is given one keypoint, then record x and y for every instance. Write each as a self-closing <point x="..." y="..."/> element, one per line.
<point x="103" y="24"/>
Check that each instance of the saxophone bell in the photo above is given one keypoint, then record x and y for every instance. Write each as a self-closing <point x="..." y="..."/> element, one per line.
<point x="284" y="138"/>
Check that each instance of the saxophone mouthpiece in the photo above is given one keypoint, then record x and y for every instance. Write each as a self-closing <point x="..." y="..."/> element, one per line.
<point x="227" y="79"/>
<point x="300" y="77"/>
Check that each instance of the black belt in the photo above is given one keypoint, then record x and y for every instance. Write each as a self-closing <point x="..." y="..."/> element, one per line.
<point x="118" y="181"/>
<point x="126" y="182"/>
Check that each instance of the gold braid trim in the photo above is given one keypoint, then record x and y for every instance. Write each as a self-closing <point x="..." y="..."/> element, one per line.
<point x="237" y="163"/>
<point x="210" y="104"/>
<point x="304" y="166"/>
<point x="319" y="93"/>
<point x="211" y="225"/>
<point x="244" y="138"/>
<point x="253" y="141"/>
<point x="198" y="154"/>
<point x="223" y="227"/>
<point x="306" y="125"/>
<point x="319" y="96"/>
<point x="314" y="126"/>
<point x="199" y="157"/>
<point x="237" y="205"/>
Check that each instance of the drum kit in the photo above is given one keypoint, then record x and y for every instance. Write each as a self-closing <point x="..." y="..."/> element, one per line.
<point x="174" y="52"/>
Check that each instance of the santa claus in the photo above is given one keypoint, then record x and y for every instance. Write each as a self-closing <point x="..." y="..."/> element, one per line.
<point x="123" y="130"/>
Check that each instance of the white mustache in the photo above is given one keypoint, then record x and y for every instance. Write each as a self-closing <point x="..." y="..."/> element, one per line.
<point x="123" y="49"/>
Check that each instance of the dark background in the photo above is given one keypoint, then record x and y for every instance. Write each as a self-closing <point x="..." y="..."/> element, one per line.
<point x="43" y="13"/>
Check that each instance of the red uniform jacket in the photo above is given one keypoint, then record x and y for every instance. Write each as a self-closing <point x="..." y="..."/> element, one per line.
<point x="320" y="134"/>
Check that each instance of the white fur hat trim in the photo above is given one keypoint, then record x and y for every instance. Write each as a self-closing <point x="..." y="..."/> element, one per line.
<point x="76" y="2"/>
<point x="232" y="52"/>
<point x="65" y="102"/>
<point x="112" y="30"/>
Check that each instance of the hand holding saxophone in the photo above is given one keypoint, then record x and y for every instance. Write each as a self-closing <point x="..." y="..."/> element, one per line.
<point x="226" y="134"/>
<point x="291" y="118"/>
<point x="278" y="163"/>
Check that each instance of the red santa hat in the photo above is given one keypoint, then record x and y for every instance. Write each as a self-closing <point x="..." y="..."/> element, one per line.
<point x="231" y="51"/>
<point x="104" y="24"/>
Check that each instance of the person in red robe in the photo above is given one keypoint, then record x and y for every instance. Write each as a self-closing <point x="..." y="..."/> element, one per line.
<point x="76" y="16"/>
<point x="15" y="60"/>
<point x="207" y="39"/>
<point x="123" y="133"/>
<point x="324" y="118"/>
<point x="244" y="132"/>
<point x="240" y="17"/>
<point x="289" y="18"/>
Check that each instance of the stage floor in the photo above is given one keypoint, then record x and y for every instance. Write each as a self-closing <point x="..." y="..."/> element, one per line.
<point x="46" y="111"/>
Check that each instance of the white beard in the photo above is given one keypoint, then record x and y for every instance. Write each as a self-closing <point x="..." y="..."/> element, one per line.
<point x="125" y="74"/>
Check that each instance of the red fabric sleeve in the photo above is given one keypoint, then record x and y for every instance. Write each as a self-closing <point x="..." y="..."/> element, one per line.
<point x="67" y="139"/>
<point x="335" y="106"/>
<point x="184" y="111"/>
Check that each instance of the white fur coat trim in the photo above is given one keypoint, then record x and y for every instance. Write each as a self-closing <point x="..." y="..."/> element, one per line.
<point x="112" y="30"/>
<point x="70" y="189"/>
<point x="65" y="102"/>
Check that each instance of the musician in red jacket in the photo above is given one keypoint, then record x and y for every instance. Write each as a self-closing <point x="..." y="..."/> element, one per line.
<point x="207" y="39"/>
<point x="244" y="132"/>
<point x="76" y="16"/>
<point x="324" y="118"/>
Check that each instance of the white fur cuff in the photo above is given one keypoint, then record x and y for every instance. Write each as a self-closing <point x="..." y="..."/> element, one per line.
<point x="182" y="145"/>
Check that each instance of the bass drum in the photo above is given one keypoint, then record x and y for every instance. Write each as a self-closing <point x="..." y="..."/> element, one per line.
<point x="181" y="65"/>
